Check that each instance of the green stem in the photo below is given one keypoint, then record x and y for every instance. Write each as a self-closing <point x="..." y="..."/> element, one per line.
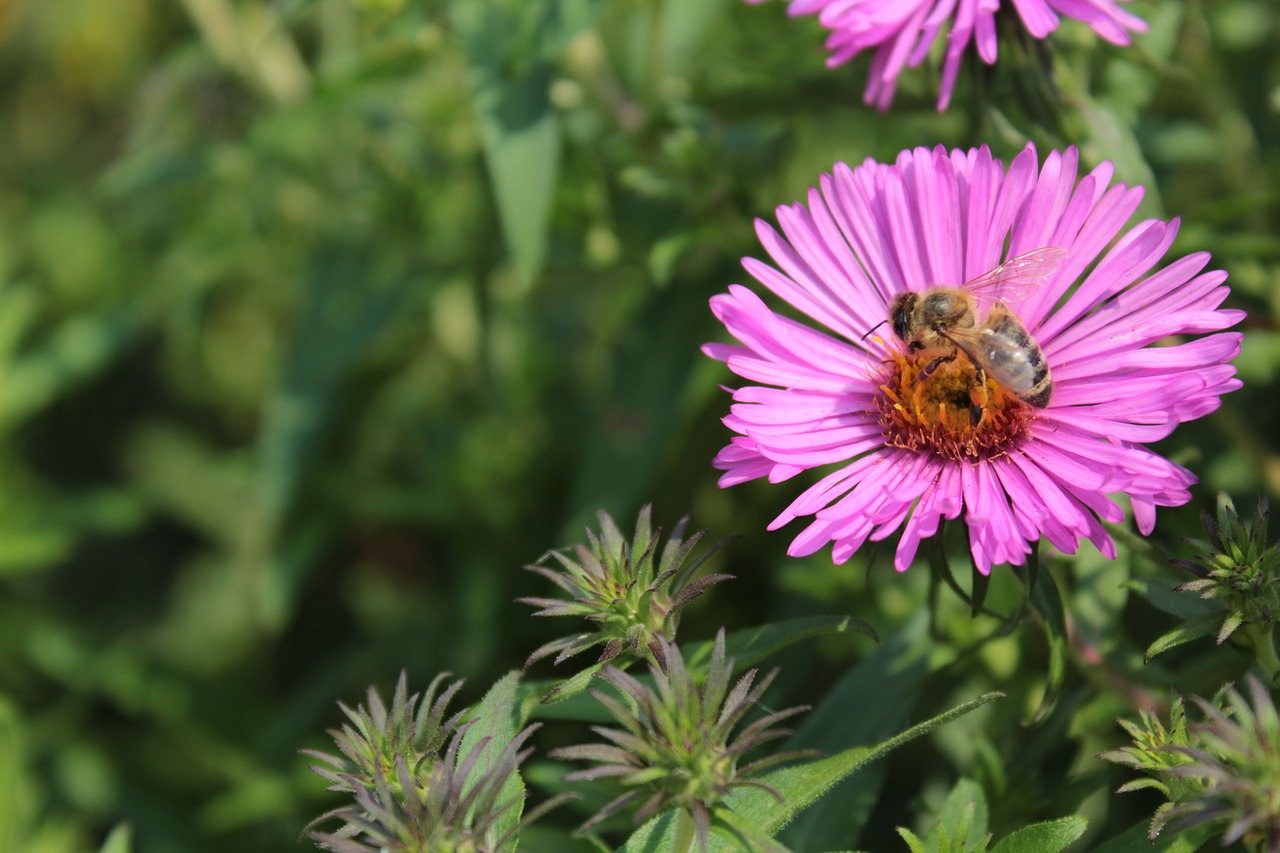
<point x="1263" y="639"/>
<point x="685" y="833"/>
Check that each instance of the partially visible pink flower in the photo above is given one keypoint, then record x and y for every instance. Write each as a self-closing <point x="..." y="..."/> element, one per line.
<point x="898" y="453"/>
<point x="901" y="32"/>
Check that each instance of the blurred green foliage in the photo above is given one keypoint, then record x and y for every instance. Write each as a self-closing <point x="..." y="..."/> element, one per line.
<point x="319" y="318"/>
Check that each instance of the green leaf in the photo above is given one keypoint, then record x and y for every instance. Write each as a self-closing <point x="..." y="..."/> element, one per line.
<point x="119" y="841"/>
<point x="652" y="381"/>
<point x="685" y="26"/>
<point x="750" y="646"/>
<point x="510" y="94"/>
<point x="567" y="689"/>
<point x="342" y="315"/>
<point x="1050" y="836"/>
<point x="963" y="816"/>
<point x="1110" y="137"/>
<point x="914" y="844"/>
<point x="800" y="785"/>
<point x="1205" y="625"/>
<point x="894" y="674"/>
<point x="55" y="363"/>
<point x="735" y="828"/>
<point x="1229" y="625"/>
<point x="747" y="647"/>
<point x="1134" y="840"/>
<point x="1047" y="601"/>
<point x="1184" y="605"/>
<point x="495" y="718"/>
<point x="15" y="788"/>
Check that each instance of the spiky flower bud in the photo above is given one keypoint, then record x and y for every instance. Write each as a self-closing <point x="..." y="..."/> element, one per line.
<point x="1237" y="568"/>
<point x="1155" y="751"/>
<point x="630" y="591"/>
<point x="375" y="740"/>
<point x="676" y="748"/>
<point x="408" y="797"/>
<point x="1224" y="771"/>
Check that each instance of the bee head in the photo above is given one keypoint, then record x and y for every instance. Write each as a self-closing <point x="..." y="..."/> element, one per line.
<point x="900" y="311"/>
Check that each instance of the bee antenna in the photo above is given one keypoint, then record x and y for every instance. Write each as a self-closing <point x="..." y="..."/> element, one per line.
<point x="872" y="329"/>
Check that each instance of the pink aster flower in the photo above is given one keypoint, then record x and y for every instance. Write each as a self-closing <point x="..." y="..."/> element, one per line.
<point x="907" y="442"/>
<point x="901" y="32"/>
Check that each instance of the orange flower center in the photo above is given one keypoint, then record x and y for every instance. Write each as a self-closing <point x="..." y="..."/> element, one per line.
<point x="956" y="411"/>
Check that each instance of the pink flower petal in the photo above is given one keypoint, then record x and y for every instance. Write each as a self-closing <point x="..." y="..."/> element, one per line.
<point x="901" y="33"/>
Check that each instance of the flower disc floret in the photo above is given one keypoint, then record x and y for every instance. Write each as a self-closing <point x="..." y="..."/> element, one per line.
<point x="956" y="412"/>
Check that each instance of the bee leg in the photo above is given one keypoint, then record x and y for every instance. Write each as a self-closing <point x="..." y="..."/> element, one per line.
<point x="928" y="369"/>
<point x="977" y="397"/>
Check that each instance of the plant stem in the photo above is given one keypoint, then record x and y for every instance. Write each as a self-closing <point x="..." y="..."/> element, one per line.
<point x="683" y="842"/>
<point x="1262" y="637"/>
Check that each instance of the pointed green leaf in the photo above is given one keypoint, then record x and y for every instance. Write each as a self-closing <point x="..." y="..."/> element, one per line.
<point x="119" y="841"/>
<point x="894" y="674"/>
<point x="510" y="86"/>
<point x="914" y="844"/>
<point x="495" y="718"/>
<point x="1205" y="625"/>
<point x="556" y="693"/>
<point x="748" y="647"/>
<point x="1134" y="840"/>
<point x="1229" y="625"/>
<point x="1051" y="836"/>
<point x="342" y="314"/>
<point x="685" y="25"/>
<point x="1047" y="601"/>
<point x="1184" y="605"/>
<point x="966" y="804"/>
<point x="15" y="788"/>
<point x="744" y="830"/>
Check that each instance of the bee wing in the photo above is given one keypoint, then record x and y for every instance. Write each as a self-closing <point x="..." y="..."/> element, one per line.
<point x="969" y="341"/>
<point x="1020" y="273"/>
<point x="987" y="350"/>
<point x="1012" y="359"/>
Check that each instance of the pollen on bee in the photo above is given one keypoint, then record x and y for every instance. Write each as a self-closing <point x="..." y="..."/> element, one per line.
<point x="954" y="411"/>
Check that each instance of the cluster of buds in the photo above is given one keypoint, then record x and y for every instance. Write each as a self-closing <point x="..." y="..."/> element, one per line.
<point x="1157" y="750"/>
<point x="408" y="796"/>
<point x="1223" y="771"/>
<point x="1237" y="568"/>
<point x="676" y="747"/>
<point x="679" y="745"/>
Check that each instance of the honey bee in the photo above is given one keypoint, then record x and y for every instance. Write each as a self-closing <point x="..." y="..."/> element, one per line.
<point x="937" y="322"/>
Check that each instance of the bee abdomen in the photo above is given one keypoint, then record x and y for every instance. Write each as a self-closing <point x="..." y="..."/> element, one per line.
<point x="1013" y="358"/>
<point x="1041" y="393"/>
